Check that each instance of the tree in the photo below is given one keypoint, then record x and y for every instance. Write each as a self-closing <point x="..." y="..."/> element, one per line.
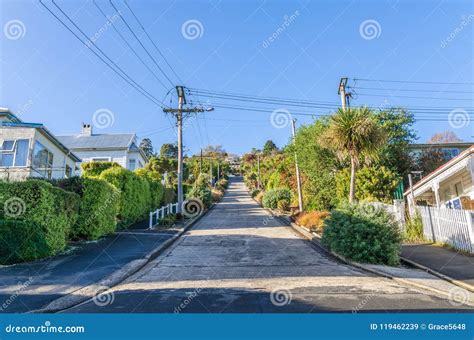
<point x="444" y="137"/>
<point x="169" y="150"/>
<point x="214" y="151"/>
<point x="269" y="147"/>
<point x="354" y="133"/>
<point x="147" y="147"/>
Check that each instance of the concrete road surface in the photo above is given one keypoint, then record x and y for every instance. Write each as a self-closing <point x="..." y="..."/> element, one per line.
<point x="240" y="259"/>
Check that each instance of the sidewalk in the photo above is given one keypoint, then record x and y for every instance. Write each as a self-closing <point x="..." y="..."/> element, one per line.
<point x="457" y="266"/>
<point x="31" y="286"/>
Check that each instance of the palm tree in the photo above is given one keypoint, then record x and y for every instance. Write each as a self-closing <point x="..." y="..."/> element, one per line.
<point x="354" y="133"/>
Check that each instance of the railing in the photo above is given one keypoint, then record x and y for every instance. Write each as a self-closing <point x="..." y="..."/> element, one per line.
<point x="451" y="226"/>
<point x="155" y="216"/>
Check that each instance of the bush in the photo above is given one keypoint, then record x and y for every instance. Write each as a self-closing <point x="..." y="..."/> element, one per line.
<point x="254" y="193"/>
<point x="259" y="197"/>
<point x="22" y="241"/>
<point x="202" y="191"/>
<point x="169" y="195"/>
<point x="272" y="197"/>
<point x="135" y="194"/>
<point x="156" y="188"/>
<point x="98" y="207"/>
<point x="283" y="205"/>
<point x="414" y="229"/>
<point x="313" y="220"/>
<point x="216" y="195"/>
<point x="39" y="203"/>
<point x="94" y="169"/>
<point x="222" y="184"/>
<point x="363" y="233"/>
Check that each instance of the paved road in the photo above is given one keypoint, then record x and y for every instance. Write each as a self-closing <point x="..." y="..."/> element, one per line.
<point x="33" y="285"/>
<point x="239" y="259"/>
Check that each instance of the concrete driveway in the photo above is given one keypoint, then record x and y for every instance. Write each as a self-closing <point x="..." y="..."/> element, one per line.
<point x="240" y="259"/>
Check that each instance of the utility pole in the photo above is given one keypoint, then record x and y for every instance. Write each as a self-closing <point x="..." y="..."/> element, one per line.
<point x="258" y="171"/>
<point x="298" y="178"/>
<point x="210" y="169"/>
<point x="218" y="170"/>
<point x="179" y="123"/>
<point x="344" y="95"/>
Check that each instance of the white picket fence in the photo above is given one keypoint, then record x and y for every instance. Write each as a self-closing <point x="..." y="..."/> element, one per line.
<point x="155" y="216"/>
<point x="397" y="210"/>
<point x="451" y="226"/>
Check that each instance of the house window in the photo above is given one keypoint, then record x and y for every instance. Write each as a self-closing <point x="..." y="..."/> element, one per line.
<point x="68" y="171"/>
<point x="131" y="164"/>
<point x="14" y="153"/>
<point x="100" y="159"/>
<point x="42" y="160"/>
<point x="458" y="188"/>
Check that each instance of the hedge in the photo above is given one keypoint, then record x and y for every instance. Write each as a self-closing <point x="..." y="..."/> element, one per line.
<point x="135" y="197"/>
<point x="363" y="233"/>
<point x="202" y="190"/>
<point x="51" y="209"/>
<point x="94" y="169"/>
<point x="156" y="188"/>
<point x="98" y="208"/>
<point x="277" y="198"/>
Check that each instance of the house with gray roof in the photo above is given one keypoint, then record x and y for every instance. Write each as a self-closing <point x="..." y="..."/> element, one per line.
<point x="121" y="148"/>
<point x="31" y="150"/>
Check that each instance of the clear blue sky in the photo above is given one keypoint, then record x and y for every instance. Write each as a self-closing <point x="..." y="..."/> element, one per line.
<point x="50" y="77"/>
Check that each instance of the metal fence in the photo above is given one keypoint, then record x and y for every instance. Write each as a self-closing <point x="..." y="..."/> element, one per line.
<point x="451" y="226"/>
<point x="158" y="214"/>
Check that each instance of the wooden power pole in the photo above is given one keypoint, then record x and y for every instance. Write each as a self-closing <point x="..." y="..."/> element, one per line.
<point x="179" y="123"/>
<point x="298" y="178"/>
<point x="343" y="94"/>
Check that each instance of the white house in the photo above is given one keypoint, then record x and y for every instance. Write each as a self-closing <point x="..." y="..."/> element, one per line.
<point x="449" y="186"/>
<point x="121" y="148"/>
<point x="31" y="150"/>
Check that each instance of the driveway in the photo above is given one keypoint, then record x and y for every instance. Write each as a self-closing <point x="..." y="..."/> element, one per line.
<point x="238" y="258"/>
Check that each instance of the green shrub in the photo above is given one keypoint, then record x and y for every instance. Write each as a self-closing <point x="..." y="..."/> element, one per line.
<point x="222" y="184"/>
<point x="272" y="197"/>
<point x="22" y="241"/>
<point x="169" y="195"/>
<point x="135" y="197"/>
<point x="283" y="205"/>
<point x="94" y="169"/>
<point x="156" y="188"/>
<point x="363" y="233"/>
<point x="39" y="203"/>
<point x="414" y="229"/>
<point x="202" y="190"/>
<point x="98" y="207"/>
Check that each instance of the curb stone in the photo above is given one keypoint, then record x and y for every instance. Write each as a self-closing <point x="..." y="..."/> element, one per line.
<point x="87" y="292"/>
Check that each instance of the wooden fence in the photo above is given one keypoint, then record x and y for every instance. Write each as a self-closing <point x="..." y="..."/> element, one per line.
<point x="161" y="213"/>
<point x="451" y="226"/>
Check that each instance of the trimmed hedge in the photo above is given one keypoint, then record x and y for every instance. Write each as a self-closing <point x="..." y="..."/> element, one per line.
<point x="363" y="233"/>
<point x="98" y="208"/>
<point x="202" y="190"/>
<point x="51" y="209"/>
<point x="156" y="188"/>
<point x="94" y="169"/>
<point x="135" y="197"/>
<point x="277" y="198"/>
<point x="22" y="241"/>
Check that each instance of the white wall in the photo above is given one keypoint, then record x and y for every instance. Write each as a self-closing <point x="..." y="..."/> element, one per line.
<point x="139" y="160"/>
<point x="118" y="156"/>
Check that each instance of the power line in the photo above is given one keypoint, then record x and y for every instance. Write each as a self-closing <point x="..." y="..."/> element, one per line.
<point x="405" y="90"/>
<point x="124" y="76"/>
<point x="415" y="97"/>
<point x="413" y="82"/>
<point x="143" y="46"/>
<point x="153" y="43"/>
<point x="128" y="44"/>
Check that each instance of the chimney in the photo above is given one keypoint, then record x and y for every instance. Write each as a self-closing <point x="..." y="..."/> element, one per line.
<point x="86" y="129"/>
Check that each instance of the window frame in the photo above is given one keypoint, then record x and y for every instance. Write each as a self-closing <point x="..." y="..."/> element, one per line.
<point x="12" y="151"/>
<point x="48" y="170"/>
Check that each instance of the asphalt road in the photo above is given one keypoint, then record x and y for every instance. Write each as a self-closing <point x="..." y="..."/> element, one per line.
<point x="240" y="259"/>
